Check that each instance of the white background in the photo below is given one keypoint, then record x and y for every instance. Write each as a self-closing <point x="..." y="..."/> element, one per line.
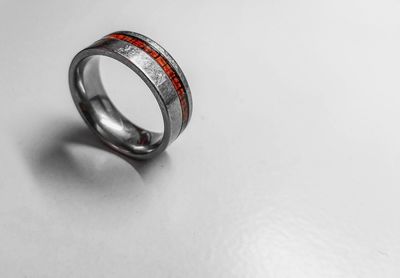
<point x="289" y="167"/>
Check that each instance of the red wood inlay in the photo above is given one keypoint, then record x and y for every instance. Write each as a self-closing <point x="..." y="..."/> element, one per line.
<point x="166" y="66"/>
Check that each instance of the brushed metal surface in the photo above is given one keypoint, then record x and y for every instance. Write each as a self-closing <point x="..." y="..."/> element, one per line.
<point x="104" y="119"/>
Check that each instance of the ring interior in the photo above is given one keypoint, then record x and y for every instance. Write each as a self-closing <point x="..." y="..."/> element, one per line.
<point x="101" y="114"/>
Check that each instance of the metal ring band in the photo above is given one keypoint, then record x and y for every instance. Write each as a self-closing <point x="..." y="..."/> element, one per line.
<point x="156" y="68"/>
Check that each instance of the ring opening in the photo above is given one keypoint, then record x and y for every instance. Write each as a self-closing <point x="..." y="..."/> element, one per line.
<point x="103" y="115"/>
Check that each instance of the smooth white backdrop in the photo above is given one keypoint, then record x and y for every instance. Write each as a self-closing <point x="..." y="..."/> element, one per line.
<point x="289" y="167"/>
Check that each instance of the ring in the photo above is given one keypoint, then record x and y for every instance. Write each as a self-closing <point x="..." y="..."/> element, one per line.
<point x="156" y="68"/>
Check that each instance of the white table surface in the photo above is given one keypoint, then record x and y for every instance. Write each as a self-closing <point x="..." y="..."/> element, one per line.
<point x="290" y="166"/>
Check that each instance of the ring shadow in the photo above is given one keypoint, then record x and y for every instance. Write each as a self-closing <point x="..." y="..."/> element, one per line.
<point x="56" y="163"/>
<point x="82" y="135"/>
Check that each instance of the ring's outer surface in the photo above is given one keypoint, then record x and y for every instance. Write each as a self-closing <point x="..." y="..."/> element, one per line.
<point x="157" y="69"/>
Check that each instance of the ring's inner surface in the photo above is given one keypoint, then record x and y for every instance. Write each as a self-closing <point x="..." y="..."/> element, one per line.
<point x="104" y="117"/>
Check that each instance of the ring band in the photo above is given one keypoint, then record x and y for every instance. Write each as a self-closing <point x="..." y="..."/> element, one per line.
<point x="156" y="68"/>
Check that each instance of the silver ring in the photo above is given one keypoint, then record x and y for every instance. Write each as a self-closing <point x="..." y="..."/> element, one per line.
<point x="156" y="68"/>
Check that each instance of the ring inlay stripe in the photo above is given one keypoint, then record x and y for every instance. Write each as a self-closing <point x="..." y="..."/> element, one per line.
<point x="167" y="68"/>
